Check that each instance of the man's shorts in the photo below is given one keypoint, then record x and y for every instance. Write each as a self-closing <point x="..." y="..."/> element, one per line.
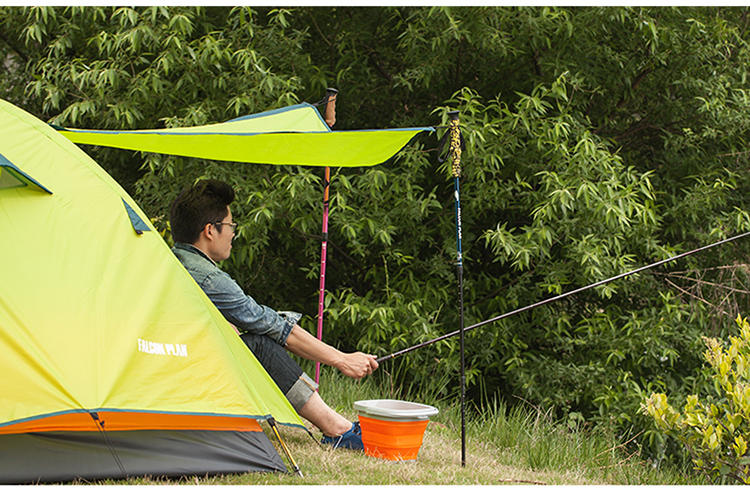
<point x="295" y="384"/>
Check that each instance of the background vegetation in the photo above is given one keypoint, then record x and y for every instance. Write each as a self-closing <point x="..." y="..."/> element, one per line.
<point x="598" y="140"/>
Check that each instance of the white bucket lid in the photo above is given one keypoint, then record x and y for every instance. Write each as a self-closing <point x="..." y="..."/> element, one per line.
<point x="395" y="409"/>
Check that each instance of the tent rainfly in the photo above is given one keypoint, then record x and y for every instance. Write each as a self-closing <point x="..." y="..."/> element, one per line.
<point x="293" y="135"/>
<point x="114" y="361"/>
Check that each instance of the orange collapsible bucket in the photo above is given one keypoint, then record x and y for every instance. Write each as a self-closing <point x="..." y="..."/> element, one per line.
<point x="393" y="429"/>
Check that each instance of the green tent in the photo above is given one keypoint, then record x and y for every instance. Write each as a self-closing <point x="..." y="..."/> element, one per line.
<point x="294" y="135"/>
<point x="114" y="361"/>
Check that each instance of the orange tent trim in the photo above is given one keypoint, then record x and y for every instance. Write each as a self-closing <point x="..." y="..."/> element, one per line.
<point x="129" y="420"/>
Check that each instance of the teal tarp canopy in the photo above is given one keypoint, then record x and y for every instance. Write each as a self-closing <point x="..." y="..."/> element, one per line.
<point x="293" y="135"/>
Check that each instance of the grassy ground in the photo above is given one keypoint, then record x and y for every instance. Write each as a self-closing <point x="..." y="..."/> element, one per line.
<point x="503" y="447"/>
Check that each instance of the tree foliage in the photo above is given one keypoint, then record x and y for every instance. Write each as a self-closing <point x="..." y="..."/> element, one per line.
<point x="598" y="140"/>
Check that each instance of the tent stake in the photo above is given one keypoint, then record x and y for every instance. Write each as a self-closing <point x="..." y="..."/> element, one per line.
<point x="330" y="119"/>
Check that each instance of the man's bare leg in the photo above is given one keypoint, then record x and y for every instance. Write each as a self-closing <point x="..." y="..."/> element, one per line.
<point x="326" y="419"/>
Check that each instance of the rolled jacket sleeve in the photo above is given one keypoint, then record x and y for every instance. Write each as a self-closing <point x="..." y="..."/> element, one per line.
<point x="244" y="312"/>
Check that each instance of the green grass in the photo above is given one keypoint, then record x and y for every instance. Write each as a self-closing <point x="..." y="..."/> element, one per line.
<point x="504" y="446"/>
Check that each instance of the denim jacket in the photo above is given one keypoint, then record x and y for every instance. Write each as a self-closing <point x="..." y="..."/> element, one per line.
<point x="240" y="309"/>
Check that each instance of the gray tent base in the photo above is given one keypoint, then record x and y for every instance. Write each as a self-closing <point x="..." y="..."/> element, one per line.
<point x="67" y="456"/>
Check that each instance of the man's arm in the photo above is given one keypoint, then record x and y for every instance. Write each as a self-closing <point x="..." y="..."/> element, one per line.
<point x="242" y="310"/>
<point x="305" y="345"/>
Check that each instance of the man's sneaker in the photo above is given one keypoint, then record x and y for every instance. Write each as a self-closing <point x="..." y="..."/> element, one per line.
<point x="352" y="439"/>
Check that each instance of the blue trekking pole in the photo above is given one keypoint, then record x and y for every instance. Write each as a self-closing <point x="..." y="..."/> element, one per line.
<point x="455" y="153"/>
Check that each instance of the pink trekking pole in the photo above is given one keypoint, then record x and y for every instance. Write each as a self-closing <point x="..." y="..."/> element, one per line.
<point x="330" y="119"/>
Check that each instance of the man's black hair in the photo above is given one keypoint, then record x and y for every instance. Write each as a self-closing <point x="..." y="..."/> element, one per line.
<point x="204" y="203"/>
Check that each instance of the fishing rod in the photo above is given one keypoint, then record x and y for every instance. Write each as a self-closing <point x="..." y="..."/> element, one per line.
<point x="561" y="296"/>
<point x="330" y="119"/>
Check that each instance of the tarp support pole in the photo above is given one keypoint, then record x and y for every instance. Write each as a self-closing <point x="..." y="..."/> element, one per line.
<point x="455" y="153"/>
<point x="330" y="118"/>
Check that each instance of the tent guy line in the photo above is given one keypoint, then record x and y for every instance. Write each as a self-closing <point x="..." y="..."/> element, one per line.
<point x="561" y="296"/>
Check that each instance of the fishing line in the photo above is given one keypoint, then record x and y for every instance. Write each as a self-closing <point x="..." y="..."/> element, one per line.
<point x="561" y="296"/>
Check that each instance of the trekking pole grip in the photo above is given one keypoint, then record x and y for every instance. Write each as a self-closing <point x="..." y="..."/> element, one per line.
<point x="455" y="142"/>
<point x="331" y="94"/>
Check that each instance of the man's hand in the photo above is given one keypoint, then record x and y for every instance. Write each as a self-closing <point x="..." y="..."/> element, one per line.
<point x="356" y="365"/>
<point x="305" y="345"/>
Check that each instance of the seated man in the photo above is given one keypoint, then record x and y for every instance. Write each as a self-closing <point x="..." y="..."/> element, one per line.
<point x="203" y="230"/>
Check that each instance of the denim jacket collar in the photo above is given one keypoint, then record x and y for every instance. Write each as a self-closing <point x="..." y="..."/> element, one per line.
<point x="192" y="248"/>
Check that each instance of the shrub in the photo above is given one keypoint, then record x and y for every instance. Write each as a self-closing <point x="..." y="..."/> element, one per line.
<point x="715" y="431"/>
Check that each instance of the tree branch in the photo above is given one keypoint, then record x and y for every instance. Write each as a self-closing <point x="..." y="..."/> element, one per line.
<point x="691" y="295"/>
<point x="317" y="28"/>
<point x="535" y="59"/>
<point x="634" y="129"/>
<point x="17" y="50"/>
<point x="372" y="55"/>
<point x="638" y="79"/>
